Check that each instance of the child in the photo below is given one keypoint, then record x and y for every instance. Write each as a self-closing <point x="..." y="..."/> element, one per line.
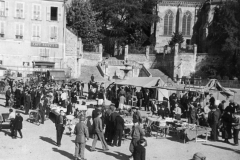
<point x="139" y="150"/>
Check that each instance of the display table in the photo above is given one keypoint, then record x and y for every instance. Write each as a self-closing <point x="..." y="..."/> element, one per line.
<point x="56" y="109"/>
<point x="190" y="133"/>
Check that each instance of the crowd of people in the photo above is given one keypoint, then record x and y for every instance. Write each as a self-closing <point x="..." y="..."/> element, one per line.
<point x="189" y="105"/>
<point x="108" y="122"/>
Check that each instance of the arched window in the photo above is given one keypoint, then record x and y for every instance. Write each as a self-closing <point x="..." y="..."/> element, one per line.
<point x="168" y="23"/>
<point x="186" y="24"/>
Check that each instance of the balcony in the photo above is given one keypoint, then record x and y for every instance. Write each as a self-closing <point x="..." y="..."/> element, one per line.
<point x="1" y="35"/>
<point x="19" y="36"/>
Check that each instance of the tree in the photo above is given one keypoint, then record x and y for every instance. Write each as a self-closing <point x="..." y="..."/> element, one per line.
<point x="225" y="34"/>
<point x="82" y="19"/>
<point x="177" y="37"/>
<point x="127" y="21"/>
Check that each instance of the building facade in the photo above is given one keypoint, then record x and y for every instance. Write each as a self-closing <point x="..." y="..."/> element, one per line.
<point x="176" y="16"/>
<point x="32" y="34"/>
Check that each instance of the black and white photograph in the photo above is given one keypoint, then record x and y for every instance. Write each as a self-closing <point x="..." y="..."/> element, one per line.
<point x="119" y="79"/>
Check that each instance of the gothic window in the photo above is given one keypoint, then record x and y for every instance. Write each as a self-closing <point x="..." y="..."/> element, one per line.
<point x="168" y="23"/>
<point x="186" y="24"/>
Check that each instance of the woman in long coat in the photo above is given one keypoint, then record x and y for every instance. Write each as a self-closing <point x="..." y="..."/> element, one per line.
<point x="227" y="126"/>
<point x="18" y="125"/>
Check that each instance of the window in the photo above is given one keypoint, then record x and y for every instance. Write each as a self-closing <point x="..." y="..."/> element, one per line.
<point x="44" y="54"/>
<point x="36" y="12"/>
<point x="168" y="23"/>
<point x="36" y="30"/>
<point x="2" y="8"/>
<point x="19" y="10"/>
<point x="53" y="33"/>
<point x="186" y="24"/>
<point x="2" y="29"/>
<point x="54" y="13"/>
<point x="19" y="31"/>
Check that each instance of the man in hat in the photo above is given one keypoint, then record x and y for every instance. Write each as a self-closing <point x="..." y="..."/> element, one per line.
<point x="221" y="106"/>
<point x="137" y="134"/>
<point x="212" y="100"/>
<point x="136" y="115"/>
<point x="81" y="131"/>
<point x="146" y="98"/>
<point x="60" y="124"/>
<point x="213" y="119"/>
<point x="236" y="126"/>
<point x="27" y="101"/>
<point x="8" y="95"/>
<point x="112" y="119"/>
<point x="119" y="127"/>
<point x="98" y="133"/>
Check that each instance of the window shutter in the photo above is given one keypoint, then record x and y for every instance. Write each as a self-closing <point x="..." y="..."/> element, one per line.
<point x="2" y="27"/>
<point x="21" y="29"/>
<point x="33" y="10"/>
<point x="33" y="32"/>
<point x="59" y="14"/>
<point x="16" y="7"/>
<point x="56" y="33"/>
<point x="17" y="29"/>
<point x="39" y="12"/>
<point x="48" y="14"/>
<point x="38" y="32"/>
<point x="6" y="9"/>
<point x="25" y="10"/>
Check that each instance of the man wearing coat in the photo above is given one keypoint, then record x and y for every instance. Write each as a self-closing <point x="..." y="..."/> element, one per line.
<point x="18" y="125"/>
<point x="213" y="118"/>
<point x="119" y="127"/>
<point x="98" y="133"/>
<point x="81" y="131"/>
<point x="8" y="94"/>
<point x="27" y="102"/>
<point x="60" y="126"/>
<point x="146" y="97"/>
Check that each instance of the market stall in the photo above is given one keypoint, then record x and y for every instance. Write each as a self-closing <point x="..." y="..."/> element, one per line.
<point x="147" y="83"/>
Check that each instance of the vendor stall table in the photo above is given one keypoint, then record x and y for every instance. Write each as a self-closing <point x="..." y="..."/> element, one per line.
<point x="193" y="133"/>
<point x="56" y="109"/>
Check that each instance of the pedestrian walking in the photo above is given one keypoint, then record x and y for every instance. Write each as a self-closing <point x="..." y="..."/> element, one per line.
<point x="60" y="126"/>
<point x="98" y="133"/>
<point x="18" y="125"/>
<point x="81" y="132"/>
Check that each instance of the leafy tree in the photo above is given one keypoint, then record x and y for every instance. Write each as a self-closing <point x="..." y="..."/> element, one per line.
<point x="82" y="19"/>
<point x="224" y="34"/>
<point x="177" y="37"/>
<point x="127" y="21"/>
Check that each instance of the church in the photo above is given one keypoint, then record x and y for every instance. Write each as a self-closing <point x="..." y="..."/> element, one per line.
<point x="192" y="18"/>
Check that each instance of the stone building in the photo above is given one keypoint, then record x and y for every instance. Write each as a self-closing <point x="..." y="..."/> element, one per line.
<point x="190" y="17"/>
<point x="32" y="35"/>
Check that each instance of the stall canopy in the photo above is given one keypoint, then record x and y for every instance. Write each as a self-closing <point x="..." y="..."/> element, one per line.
<point x="145" y="82"/>
<point x="213" y="84"/>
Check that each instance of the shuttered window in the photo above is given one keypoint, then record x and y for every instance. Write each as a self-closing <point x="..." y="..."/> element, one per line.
<point x="2" y="8"/>
<point x="186" y="24"/>
<point x="168" y="23"/>
<point x="44" y="54"/>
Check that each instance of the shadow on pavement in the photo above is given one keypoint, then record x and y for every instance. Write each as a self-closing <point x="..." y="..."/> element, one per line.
<point x="64" y="153"/>
<point x="49" y="140"/>
<point x="117" y="155"/>
<point x="89" y="147"/>
<point x="225" y="148"/>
